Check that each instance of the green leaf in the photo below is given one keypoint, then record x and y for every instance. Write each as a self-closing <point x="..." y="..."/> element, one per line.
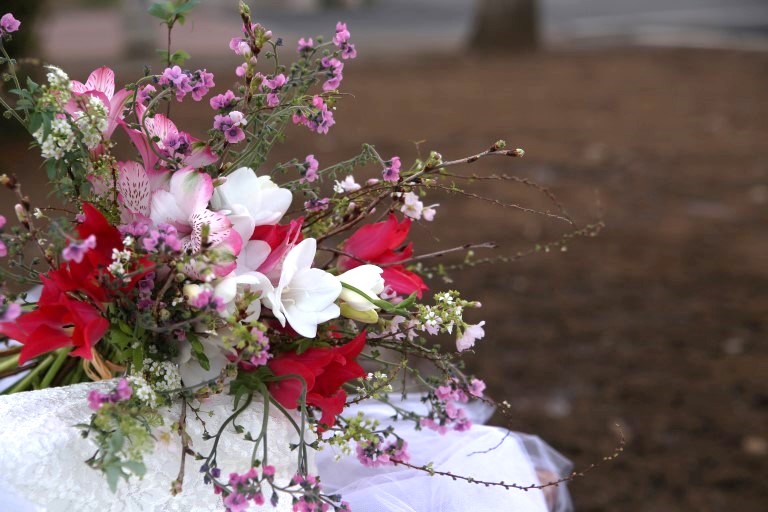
<point x="186" y="6"/>
<point x="116" y="441"/>
<point x="162" y="10"/>
<point x="135" y="467"/>
<point x="179" y="57"/>
<point x="50" y="169"/>
<point x="113" y="475"/>
<point x="199" y="351"/>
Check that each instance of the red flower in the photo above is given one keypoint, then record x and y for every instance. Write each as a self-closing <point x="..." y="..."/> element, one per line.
<point x="58" y="321"/>
<point x="380" y="243"/>
<point x="61" y="319"/>
<point x="324" y="371"/>
<point x="87" y="276"/>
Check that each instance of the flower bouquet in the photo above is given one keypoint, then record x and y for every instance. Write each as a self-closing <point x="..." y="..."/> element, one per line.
<point x="197" y="267"/>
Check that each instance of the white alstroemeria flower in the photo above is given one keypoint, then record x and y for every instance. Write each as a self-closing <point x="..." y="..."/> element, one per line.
<point x="234" y="286"/>
<point x="367" y="279"/>
<point x="250" y="201"/>
<point x="189" y="368"/>
<point x="305" y="296"/>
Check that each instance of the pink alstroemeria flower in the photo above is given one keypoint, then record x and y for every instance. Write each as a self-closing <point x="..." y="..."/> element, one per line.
<point x="101" y="84"/>
<point x="185" y="206"/>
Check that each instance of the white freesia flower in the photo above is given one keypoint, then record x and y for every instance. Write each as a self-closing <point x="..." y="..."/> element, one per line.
<point x="367" y="279"/>
<point x="250" y="201"/>
<point x="305" y="296"/>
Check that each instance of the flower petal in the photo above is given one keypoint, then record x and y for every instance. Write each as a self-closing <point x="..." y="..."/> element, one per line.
<point x="102" y="80"/>
<point x="191" y="189"/>
<point x="133" y="185"/>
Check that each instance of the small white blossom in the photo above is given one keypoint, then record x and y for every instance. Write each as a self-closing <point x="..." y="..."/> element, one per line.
<point x="347" y="185"/>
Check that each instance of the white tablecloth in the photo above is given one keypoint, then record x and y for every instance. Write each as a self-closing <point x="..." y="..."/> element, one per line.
<point x="42" y="468"/>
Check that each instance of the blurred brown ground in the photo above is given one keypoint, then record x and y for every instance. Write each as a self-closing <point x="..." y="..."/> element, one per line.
<point x="657" y="325"/>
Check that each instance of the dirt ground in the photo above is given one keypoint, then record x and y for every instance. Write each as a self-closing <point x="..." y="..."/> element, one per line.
<point x="659" y="324"/>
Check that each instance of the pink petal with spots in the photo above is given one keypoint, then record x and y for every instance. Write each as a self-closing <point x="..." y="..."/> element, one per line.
<point x="219" y="228"/>
<point x="134" y="188"/>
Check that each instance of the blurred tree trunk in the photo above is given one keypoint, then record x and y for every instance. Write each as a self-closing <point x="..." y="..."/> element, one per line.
<point x="511" y="25"/>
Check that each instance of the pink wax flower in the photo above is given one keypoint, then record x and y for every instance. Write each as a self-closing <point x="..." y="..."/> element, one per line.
<point x="311" y="166"/>
<point x="476" y="387"/>
<point x="333" y="69"/>
<point x="145" y="94"/>
<point x="305" y="45"/>
<point x="392" y="170"/>
<point x="239" y="46"/>
<point x="224" y="101"/>
<point x="202" y="82"/>
<point x="230" y="125"/>
<point x="236" y="502"/>
<point x="273" y="85"/>
<point x="341" y="39"/>
<point x="317" y="205"/>
<point x="8" y="24"/>
<point x="175" y="76"/>
<point x="76" y="251"/>
<point x="342" y="34"/>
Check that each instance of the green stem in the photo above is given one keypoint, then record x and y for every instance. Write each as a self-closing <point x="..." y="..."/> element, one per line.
<point x="10" y="362"/>
<point x="28" y="380"/>
<point x="57" y="364"/>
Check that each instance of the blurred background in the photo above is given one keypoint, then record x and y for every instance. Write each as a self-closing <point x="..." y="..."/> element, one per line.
<point x="651" y="115"/>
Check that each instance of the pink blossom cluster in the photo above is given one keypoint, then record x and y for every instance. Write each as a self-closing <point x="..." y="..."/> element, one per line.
<point x="317" y="205"/>
<point x="310" y="500"/>
<point x="121" y="393"/>
<point x="273" y="86"/>
<point x="196" y="83"/>
<point x="245" y="488"/>
<point x="446" y="412"/>
<point x="309" y="169"/>
<point x="144" y="94"/>
<point x="391" y="171"/>
<point x="163" y="238"/>
<point x="8" y="24"/>
<point x="224" y="102"/>
<point x="333" y="69"/>
<point x="146" y="285"/>
<point x="375" y="453"/>
<point x="319" y="120"/>
<point x="305" y="45"/>
<point x="259" y="351"/>
<point x="75" y="251"/>
<point x="203" y="297"/>
<point x="231" y="126"/>
<point x="341" y="39"/>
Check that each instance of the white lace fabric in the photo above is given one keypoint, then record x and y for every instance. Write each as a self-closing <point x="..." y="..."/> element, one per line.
<point x="42" y="457"/>
<point x="42" y="465"/>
